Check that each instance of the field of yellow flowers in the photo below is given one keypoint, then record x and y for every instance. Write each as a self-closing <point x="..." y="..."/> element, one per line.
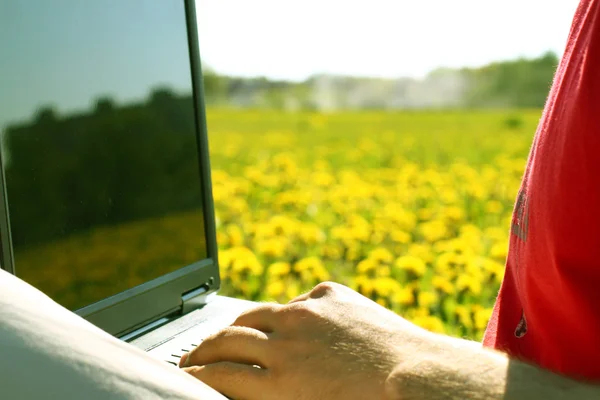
<point x="411" y="209"/>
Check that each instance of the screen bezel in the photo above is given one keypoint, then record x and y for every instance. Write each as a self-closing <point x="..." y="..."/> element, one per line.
<point x="140" y="305"/>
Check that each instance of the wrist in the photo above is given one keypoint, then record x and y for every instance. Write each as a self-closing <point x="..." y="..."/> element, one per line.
<point x="448" y="368"/>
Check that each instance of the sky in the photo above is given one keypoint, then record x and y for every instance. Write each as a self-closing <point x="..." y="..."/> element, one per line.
<point x="67" y="53"/>
<point x="384" y="38"/>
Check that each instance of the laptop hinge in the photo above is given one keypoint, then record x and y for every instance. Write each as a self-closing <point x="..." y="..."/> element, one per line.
<point x="194" y="299"/>
<point x="144" y="329"/>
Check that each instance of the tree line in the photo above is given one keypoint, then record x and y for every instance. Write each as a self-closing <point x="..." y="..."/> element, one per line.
<point x="520" y="83"/>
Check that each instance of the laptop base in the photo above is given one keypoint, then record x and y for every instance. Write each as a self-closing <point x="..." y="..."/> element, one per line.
<point x="171" y="340"/>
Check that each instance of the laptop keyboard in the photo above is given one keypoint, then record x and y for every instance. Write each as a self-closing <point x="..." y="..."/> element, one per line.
<point x="172" y="351"/>
<point x="178" y="354"/>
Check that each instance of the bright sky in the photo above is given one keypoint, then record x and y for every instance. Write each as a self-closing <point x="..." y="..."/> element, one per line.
<point x="293" y="40"/>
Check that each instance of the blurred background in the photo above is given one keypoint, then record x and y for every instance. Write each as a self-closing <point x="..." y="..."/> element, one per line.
<point x="379" y="144"/>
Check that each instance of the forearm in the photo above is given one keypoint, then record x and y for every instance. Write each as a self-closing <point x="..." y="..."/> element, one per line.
<point x="456" y="369"/>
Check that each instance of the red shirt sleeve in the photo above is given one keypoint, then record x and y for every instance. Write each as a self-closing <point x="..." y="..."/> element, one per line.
<point x="548" y="308"/>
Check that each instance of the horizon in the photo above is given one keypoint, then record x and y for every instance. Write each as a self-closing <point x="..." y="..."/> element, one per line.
<point x="341" y="75"/>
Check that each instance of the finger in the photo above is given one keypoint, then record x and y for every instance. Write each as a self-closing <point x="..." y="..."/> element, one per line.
<point x="302" y="297"/>
<point x="321" y="290"/>
<point x="238" y="381"/>
<point x="235" y="343"/>
<point x="262" y="318"/>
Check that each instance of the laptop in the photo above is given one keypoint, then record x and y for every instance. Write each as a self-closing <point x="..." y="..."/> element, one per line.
<point x="106" y="187"/>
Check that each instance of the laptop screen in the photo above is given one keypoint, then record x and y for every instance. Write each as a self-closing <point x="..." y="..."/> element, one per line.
<point x="99" y="144"/>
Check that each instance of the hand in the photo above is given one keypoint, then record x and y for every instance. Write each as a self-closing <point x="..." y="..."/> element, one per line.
<point x="331" y="343"/>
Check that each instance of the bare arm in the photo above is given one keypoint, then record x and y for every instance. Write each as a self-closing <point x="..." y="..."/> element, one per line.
<point x="459" y="370"/>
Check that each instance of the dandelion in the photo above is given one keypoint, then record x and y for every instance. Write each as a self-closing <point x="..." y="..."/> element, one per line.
<point x="385" y="286"/>
<point x="235" y="235"/>
<point x="468" y="283"/>
<point x="366" y="266"/>
<point x="400" y="236"/>
<point x="403" y="296"/>
<point x="381" y="255"/>
<point x="275" y="289"/>
<point x="481" y="316"/>
<point x="274" y="247"/>
<point x="279" y="269"/>
<point x="493" y="207"/>
<point x="464" y="316"/>
<point x="411" y="264"/>
<point x="442" y="284"/>
<point x="434" y="230"/>
<point x="499" y="250"/>
<point x="427" y="299"/>
<point x="430" y="323"/>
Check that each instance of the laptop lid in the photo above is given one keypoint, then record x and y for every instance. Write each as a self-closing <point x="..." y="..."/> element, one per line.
<point x="107" y="201"/>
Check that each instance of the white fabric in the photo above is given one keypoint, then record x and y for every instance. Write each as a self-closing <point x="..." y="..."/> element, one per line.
<point x="48" y="352"/>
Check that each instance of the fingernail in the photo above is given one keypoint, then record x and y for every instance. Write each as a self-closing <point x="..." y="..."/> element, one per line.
<point x="184" y="359"/>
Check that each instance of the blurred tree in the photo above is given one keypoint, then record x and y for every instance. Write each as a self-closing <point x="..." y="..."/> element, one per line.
<point x="522" y="83"/>
<point x="215" y="86"/>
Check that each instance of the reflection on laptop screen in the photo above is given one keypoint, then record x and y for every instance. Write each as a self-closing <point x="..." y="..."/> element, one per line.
<point x="99" y="144"/>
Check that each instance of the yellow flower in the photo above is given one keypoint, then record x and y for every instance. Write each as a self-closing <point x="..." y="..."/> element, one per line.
<point x="385" y="286"/>
<point x="383" y="270"/>
<point x="434" y="230"/>
<point x="464" y="316"/>
<point x="400" y="236"/>
<point x="497" y="270"/>
<point x="425" y="214"/>
<point x="332" y="251"/>
<point x="481" y="316"/>
<point x="311" y="234"/>
<point x="235" y="235"/>
<point x="366" y="266"/>
<point x="499" y="250"/>
<point x="244" y="260"/>
<point x="430" y="323"/>
<point x="283" y="225"/>
<point x="458" y="246"/>
<point x="443" y="284"/>
<point x="449" y="264"/>
<point x="279" y="269"/>
<point x="292" y="291"/>
<point x="493" y="207"/>
<point x="275" y="288"/>
<point x="468" y="282"/>
<point x="427" y="299"/>
<point x="323" y="179"/>
<point x="307" y="263"/>
<point x="225" y="257"/>
<point x="412" y="264"/>
<point x="353" y="252"/>
<point x="404" y="296"/>
<point x="454" y="213"/>
<point x="422" y="251"/>
<point x="274" y="247"/>
<point x="381" y="255"/>
<point x="311" y="269"/>
<point x="363" y="285"/>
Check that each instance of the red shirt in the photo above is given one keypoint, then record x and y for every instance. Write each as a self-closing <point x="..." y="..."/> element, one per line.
<point x="548" y="308"/>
